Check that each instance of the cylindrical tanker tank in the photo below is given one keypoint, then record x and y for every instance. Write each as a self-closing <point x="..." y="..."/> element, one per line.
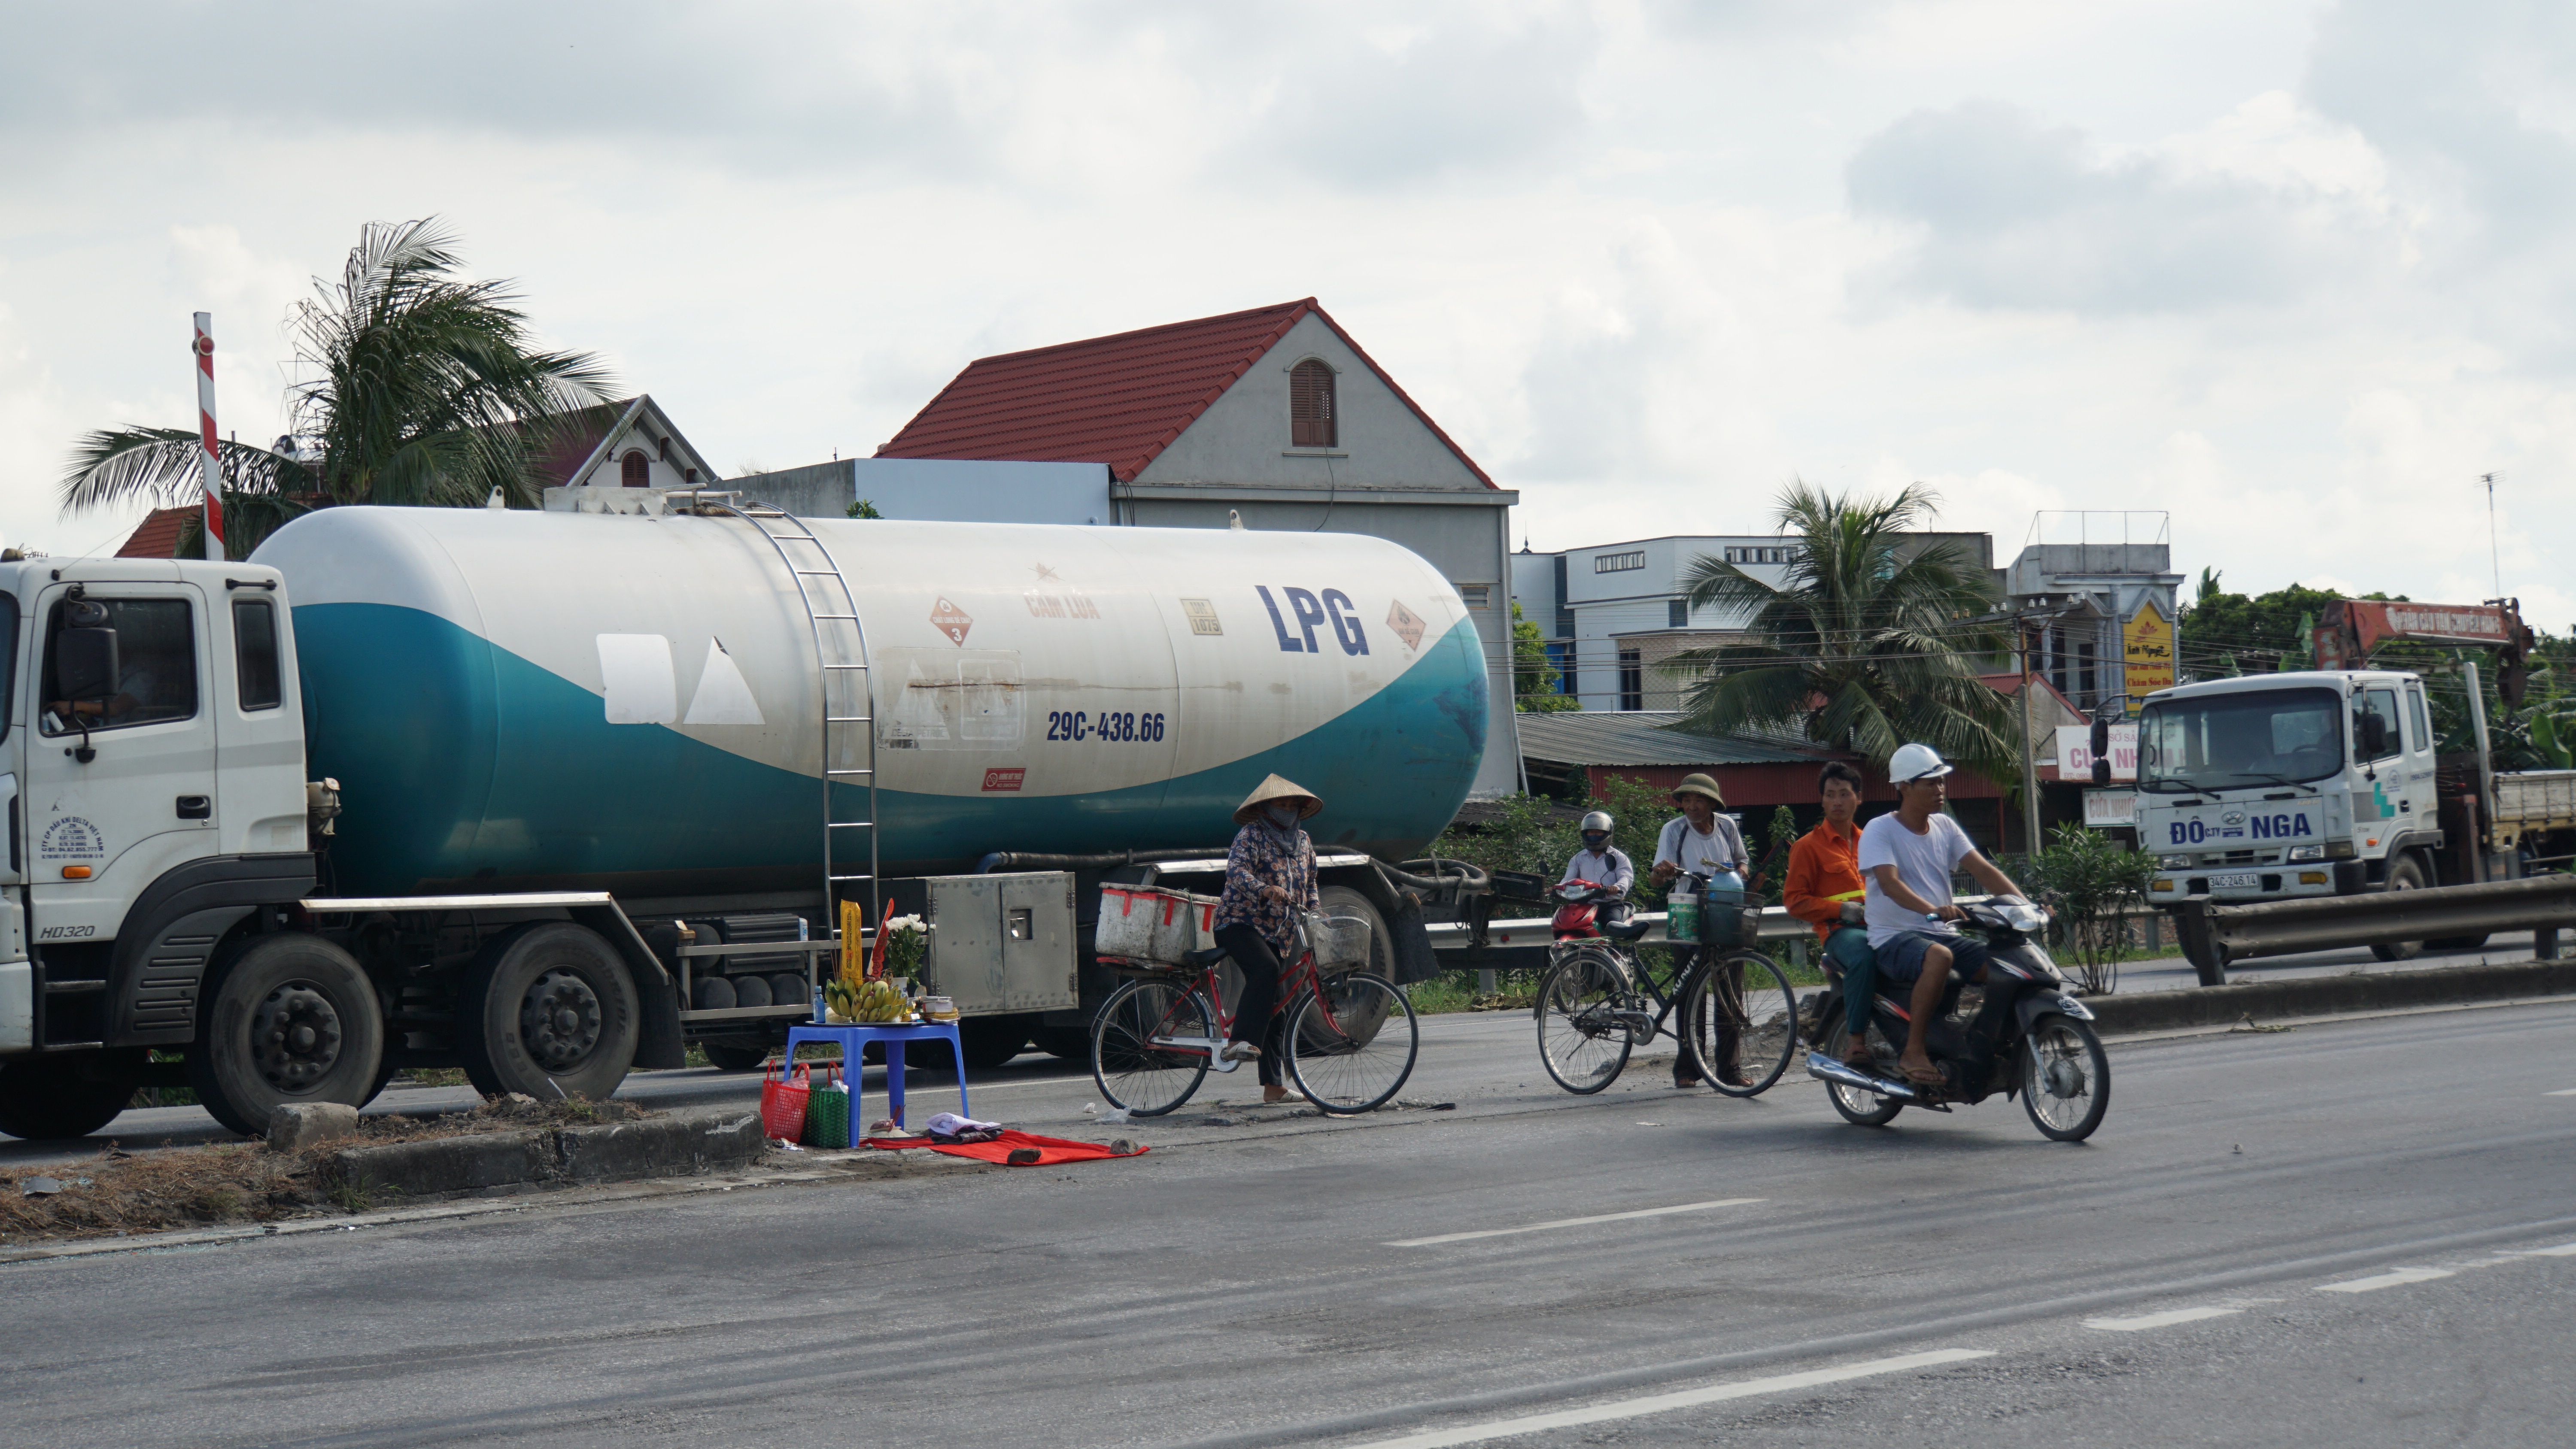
<point x="519" y="700"/>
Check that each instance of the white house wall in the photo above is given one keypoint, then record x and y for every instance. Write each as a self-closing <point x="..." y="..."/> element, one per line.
<point x="1243" y="439"/>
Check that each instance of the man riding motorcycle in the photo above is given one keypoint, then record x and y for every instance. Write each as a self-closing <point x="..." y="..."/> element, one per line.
<point x="1599" y="863"/>
<point x="1907" y="858"/>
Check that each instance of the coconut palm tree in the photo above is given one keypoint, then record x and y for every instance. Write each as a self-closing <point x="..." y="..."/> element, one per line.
<point x="1865" y="643"/>
<point x="422" y="389"/>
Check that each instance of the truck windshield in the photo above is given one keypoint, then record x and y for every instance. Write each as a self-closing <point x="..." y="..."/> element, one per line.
<point x="2229" y="741"/>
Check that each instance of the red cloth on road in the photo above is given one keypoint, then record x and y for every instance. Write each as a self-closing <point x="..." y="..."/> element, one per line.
<point x="1051" y="1150"/>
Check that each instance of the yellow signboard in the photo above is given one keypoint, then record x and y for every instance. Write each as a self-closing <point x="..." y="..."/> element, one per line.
<point x="2147" y="644"/>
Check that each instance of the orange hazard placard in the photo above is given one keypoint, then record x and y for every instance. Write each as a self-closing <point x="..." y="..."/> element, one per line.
<point x="952" y="621"/>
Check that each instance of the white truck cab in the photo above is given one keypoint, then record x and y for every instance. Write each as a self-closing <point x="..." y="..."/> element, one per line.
<point x="2294" y="784"/>
<point x="151" y="808"/>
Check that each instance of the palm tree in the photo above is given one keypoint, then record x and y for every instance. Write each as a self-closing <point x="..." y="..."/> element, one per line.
<point x="423" y="390"/>
<point x="1863" y="645"/>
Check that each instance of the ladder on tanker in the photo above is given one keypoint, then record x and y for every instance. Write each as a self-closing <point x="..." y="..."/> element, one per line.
<point x="849" y="725"/>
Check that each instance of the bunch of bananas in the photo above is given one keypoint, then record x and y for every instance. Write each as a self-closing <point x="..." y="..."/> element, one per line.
<point x="878" y="1000"/>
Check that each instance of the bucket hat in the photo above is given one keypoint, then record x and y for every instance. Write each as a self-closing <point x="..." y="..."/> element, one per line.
<point x="1699" y="785"/>
<point x="1277" y="788"/>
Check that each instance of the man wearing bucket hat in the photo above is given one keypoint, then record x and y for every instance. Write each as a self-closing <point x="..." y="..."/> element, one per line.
<point x="1269" y="875"/>
<point x="1700" y="841"/>
<point x="1907" y="857"/>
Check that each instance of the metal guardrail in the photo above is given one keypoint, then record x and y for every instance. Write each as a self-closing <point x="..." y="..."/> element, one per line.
<point x="2213" y="935"/>
<point x="1777" y="925"/>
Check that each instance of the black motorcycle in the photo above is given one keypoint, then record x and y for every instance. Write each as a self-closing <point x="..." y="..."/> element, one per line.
<point x="2028" y="1037"/>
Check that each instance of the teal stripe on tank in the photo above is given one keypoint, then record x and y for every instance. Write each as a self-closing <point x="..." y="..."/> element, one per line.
<point x="411" y="713"/>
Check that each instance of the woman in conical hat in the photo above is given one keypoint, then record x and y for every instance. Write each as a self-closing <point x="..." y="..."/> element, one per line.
<point x="1269" y="876"/>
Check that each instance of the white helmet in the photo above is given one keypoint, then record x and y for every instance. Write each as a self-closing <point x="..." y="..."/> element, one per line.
<point x="1915" y="762"/>
<point x="1597" y="820"/>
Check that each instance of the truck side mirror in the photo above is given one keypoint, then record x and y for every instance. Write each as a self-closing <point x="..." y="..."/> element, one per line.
<point x="85" y="663"/>
<point x="2101" y="747"/>
<point x="2374" y="736"/>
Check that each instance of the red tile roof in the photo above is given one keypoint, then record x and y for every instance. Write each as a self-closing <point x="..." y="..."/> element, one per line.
<point x="1118" y="400"/>
<point x="157" y="536"/>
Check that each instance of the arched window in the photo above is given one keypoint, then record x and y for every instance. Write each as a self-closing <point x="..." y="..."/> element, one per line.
<point x="1313" y="420"/>
<point x="635" y="470"/>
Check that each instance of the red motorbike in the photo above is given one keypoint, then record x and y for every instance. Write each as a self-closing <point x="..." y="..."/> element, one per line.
<point x="1581" y="909"/>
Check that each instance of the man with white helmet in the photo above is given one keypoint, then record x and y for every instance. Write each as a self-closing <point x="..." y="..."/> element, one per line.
<point x="1599" y="862"/>
<point x="1907" y="858"/>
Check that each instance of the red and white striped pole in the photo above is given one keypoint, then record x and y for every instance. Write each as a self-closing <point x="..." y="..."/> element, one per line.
<point x="209" y="470"/>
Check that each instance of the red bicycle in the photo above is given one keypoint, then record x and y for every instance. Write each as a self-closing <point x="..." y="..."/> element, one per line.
<point x="1350" y="1035"/>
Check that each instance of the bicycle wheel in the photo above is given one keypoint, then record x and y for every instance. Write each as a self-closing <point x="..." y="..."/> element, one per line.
<point x="1137" y="1058"/>
<point x="1582" y="1044"/>
<point x="2065" y="1078"/>
<point x="1739" y="1022"/>
<point x="1862" y="1109"/>
<point x="1359" y="1070"/>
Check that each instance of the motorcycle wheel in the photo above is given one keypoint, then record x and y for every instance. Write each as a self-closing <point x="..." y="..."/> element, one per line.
<point x="2065" y="1078"/>
<point x="1859" y="1108"/>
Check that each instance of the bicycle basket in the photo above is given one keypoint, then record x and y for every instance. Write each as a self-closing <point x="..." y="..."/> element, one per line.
<point x="1338" y="940"/>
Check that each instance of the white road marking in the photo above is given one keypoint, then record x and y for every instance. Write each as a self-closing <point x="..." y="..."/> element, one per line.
<point x="2563" y="1250"/>
<point x="1666" y="1403"/>
<point x="2569" y="1092"/>
<point x="1688" y="1207"/>
<point x="2399" y="1278"/>
<point x="2165" y="1319"/>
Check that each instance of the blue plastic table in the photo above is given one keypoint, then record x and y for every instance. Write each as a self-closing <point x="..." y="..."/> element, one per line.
<point x="852" y="1037"/>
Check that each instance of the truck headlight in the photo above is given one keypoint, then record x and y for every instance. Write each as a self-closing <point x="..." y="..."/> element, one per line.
<point x="2307" y="852"/>
<point x="2174" y="862"/>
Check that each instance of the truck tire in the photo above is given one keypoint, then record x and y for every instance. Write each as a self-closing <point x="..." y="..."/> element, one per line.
<point x="734" y="1056"/>
<point x="548" y="1011"/>
<point x="66" y="1095"/>
<point x="1340" y="900"/>
<point x="2405" y="873"/>
<point x="1065" y="1043"/>
<point x="992" y="1040"/>
<point x="291" y="1019"/>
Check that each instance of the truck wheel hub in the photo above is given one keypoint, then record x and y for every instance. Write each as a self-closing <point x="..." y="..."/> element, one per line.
<point x="559" y="1019"/>
<point x="294" y="1037"/>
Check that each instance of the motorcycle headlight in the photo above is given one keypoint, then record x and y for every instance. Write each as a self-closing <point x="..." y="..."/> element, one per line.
<point x="2307" y="852"/>
<point x="2022" y="916"/>
<point x="2173" y="862"/>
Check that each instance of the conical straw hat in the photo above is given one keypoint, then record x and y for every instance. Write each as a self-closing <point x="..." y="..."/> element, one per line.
<point x="1277" y="788"/>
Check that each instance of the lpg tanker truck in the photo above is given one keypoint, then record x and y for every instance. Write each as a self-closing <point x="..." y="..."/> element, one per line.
<point x="550" y="795"/>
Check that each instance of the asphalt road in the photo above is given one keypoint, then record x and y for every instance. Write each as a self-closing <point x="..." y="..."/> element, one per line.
<point x="2360" y="1233"/>
<point x="147" y="1127"/>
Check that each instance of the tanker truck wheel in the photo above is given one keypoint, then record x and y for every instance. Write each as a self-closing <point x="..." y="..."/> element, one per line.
<point x="548" y="1010"/>
<point x="67" y="1095"/>
<point x="291" y="1019"/>
<point x="1339" y="900"/>
<point x="736" y="1056"/>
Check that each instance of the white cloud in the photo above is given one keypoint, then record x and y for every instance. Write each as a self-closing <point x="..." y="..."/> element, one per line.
<point x="2293" y="276"/>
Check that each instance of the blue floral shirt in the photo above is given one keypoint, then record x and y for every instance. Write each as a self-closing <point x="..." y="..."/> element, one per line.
<point x="1261" y="858"/>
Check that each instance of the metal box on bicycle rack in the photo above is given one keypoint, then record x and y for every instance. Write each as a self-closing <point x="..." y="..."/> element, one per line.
<point x="1153" y="924"/>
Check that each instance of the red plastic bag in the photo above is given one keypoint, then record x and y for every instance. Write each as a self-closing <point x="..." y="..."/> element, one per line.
<point x="782" y="1102"/>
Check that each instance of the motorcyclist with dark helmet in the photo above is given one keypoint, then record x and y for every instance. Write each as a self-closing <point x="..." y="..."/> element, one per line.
<point x="1602" y="864"/>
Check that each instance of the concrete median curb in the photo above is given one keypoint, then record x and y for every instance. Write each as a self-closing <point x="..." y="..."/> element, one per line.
<point x="2330" y="995"/>
<point x="698" y="1140"/>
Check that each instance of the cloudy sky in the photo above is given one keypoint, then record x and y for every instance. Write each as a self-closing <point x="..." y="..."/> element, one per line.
<point x="2295" y="273"/>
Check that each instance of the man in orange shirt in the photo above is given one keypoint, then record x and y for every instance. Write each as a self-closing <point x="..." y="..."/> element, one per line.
<point x="1825" y="890"/>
